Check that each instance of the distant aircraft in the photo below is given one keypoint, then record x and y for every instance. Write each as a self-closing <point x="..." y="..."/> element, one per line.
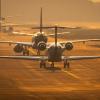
<point x="7" y="27"/>
<point x="39" y="39"/>
<point x="54" y="54"/>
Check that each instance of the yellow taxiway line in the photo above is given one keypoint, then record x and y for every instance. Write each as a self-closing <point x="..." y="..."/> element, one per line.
<point x="71" y="74"/>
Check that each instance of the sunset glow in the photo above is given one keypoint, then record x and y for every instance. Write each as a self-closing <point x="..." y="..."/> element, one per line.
<point x="95" y="0"/>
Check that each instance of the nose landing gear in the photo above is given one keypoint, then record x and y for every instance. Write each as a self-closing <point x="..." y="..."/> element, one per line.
<point x="25" y="51"/>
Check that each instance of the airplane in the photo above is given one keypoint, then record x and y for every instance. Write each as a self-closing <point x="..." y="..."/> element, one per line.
<point x="53" y="54"/>
<point x="39" y="39"/>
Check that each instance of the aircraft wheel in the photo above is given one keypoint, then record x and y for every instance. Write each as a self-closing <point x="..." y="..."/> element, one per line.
<point x="66" y="64"/>
<point x="27" y="52"/>
<point x="42" y="63"/>
<point x="38" y="52"/>
<point x="52" y="64"/>
<point x="23" y="53"/>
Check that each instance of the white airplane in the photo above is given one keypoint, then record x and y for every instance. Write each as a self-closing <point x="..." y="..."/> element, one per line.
<point x="54" y="54"/>
<point x="39" y="39"/>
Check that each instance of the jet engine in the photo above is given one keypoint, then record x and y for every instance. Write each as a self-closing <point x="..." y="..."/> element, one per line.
<point x="18" y="48"/>
<point x="69" y="46"/>
<point x="39" y="37"/>
<point x="41" y="46"/>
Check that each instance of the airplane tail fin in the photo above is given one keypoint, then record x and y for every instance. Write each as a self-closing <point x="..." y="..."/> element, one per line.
<point x="56" y="30"/>
<point x="41" y="21"/>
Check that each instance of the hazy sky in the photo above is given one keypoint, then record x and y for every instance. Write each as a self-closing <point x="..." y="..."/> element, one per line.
<point x="95" y="0"/>
<point x="27" y="11"/>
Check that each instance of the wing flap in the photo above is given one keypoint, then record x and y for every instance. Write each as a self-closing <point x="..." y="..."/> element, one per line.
<point x="22" y="34"/>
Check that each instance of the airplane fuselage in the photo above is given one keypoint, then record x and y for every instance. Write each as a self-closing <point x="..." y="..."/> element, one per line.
<point x="55" y="53"/>
<point x="39" y="37"/>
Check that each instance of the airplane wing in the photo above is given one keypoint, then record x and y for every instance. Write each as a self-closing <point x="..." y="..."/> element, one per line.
<point x="72" y="41"/>
<point x="59" y="34"/>
<point x="21" y="43"/>
<point x="86" y="40"/>
<point x="77" y="41"/>
<point x="27" y="34"/>
<point x="37" y="58"/>
<point x="22" y="34"/>
<point x="15" y="25"/>
<point x="79" y="57"/>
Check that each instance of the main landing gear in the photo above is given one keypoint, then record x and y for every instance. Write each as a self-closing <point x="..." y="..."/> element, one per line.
<point x="25" y="51"/>
<point x="42" y="64"/>
<point x="66" y="64"/>
<point x="52" y="65"/>
<point x="38" y="52"/>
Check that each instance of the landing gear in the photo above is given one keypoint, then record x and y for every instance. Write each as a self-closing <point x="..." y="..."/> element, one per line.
<point x="25" y="51"/>
<point x="52" y="65"/>
<point x="38" y="52"/>
<point x="83" y="42"/>
<point x="42" y="64"/>
<point x="66" y="64"/>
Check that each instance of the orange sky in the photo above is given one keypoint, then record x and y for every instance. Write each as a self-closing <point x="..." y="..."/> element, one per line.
<point x="95" y="0"/>
<point x="61" y="11"/>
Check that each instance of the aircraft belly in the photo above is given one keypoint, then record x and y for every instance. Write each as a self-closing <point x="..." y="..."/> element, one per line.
<point x="53" y="58"/>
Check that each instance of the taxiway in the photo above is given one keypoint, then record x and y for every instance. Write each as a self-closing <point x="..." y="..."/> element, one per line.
<point x="24" y="80"/>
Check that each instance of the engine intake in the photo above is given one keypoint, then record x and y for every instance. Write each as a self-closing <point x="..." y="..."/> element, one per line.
<point x="18" y="48"/>
<point x="69" y="46"/>
<point x="41" y="46"/>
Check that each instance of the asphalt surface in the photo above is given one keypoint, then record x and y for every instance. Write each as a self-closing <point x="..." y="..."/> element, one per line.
<point x="24" y="80"/>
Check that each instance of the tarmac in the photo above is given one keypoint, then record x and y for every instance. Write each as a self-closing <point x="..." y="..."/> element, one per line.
<point x="25" y="80"/>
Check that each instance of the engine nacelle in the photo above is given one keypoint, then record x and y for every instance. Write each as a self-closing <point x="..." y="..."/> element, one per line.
<point x="18" y="48"/>
<point x="39" y="37"/>
<point x="41" y="46"/>
<point x="69" y="46"/>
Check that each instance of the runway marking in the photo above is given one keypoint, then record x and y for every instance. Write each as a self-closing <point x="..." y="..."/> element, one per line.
<point x="31" y="50"/>
<point x="77" y="77"/>
<point x="71" y="74"/>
